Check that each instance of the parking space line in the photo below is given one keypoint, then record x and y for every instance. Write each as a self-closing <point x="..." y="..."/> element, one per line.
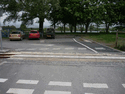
<point x="2" y="80"/>
<point x="81" y="48"/>
<point x="20" y="91"/>
<point x="69" y="48"/>
<point x="60" y="83"/>
<point x="27" y="82"/>
<point x="56" y="48"/>
<point x="43" y="48"/>
<point x="123" y="85"/>
<point x="85" y="46"/>
<point x="95" y="85"/>
<point x="57" y="92"/>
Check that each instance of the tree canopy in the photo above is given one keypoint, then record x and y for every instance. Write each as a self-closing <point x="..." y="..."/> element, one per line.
<point x="72" y="12"/>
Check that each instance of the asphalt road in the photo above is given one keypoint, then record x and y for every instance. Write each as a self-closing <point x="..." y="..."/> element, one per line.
<point x="35" y="75"/>
<point x="61" y="77"/>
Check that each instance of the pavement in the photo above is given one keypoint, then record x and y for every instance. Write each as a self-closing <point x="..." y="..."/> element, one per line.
<point x="61" y="66"/>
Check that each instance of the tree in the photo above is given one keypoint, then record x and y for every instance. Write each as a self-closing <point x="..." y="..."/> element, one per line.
<point x="30" y="10"/>
<point x="23" y="27"/>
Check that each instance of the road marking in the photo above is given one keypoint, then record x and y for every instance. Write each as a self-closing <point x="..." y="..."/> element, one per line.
<point x="57" y="92"/>
<point x="15" y="58"/>
<point x="123" y="85"/>
<point x="43" y="48"/>
<point x="81" y="57"/>
<point x="2" y="80"/>
<point x="85" y="46"/>
<point x="56" y="48"/>
<point x="3" y="63"/>
<point x="31" y="49"/>
<point x="89" y="93"/>
<point x="60" y="83"/>
<point x="87" y="41"/>
<point x="95" y="85"/>
<point x="100" y="48"/>
<point x="81" y="48"/>
<point x="19" y="49"/>
<point x="20" y="91"/>
<point x="69" y="48"/>
<point x="27" y="81"/>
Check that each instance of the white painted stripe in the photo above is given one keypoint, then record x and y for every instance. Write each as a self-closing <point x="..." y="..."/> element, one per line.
<point x="87" y="41"/>
<point x="43" y="48"/>
<point x="19" y="49"/>
<point x="69" y="48"/>
<point x="3" y="63"/>
<point x="85" y="46"/>
<point x="89" y="93"/>
<point x="2" y="80"/>
<point x="95" y="85"/>
<point x="57" y="92"/>
<point x="31" y="49"/>
<point x="100" y="48"/>
<point x="81" y="57"/>
<point x="20" y="91"/>
<point x="81" y="48"/>
<point x="15" y="58"/>
<point x="27" y="81"/>
<point x="60" y="83"/>
<point x="123" y="85"/>
<point x="56" y="48"/>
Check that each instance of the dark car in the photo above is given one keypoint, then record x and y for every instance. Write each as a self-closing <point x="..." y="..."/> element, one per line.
<point x="50" y="33"/>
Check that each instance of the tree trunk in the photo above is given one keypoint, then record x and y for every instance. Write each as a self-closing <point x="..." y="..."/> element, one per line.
<point x="75" y="28"/>
<point x="86" y="27"/>
<point x="107" y="28"/>
<point x="64" y="28"/>
<point x="41" y="20"/>
<point x="70" y="26"/>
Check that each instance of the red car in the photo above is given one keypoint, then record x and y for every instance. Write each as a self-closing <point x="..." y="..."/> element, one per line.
<point x="34" y="34"/>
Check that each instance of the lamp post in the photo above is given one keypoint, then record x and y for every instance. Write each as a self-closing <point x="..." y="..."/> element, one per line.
<point x="1" y="12"/>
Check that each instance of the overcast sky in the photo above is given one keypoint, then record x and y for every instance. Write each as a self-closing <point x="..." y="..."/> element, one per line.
<point x="17" y="24"/>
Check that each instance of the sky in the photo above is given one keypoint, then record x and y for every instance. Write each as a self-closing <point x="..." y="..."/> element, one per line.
<point x="17" y="23"/>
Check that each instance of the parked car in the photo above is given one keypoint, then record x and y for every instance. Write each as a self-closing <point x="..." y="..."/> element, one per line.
<point x="16" y="35"/>
<point x="50" y="33"/>
<point x="34" y="34"/>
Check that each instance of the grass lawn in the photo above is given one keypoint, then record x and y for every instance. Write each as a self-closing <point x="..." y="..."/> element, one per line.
<point x="107" y="39"/>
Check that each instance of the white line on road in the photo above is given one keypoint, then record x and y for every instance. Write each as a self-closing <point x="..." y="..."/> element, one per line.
<point x="3" y="63"/>
<point x="77" y="57"/>
<point x="2" y="80"/>
<point x="85" y="46"/>
<point x="43" y="48"/>
<point x="69" y="48"/>
<point x="87" y="41"/>
<point x="20" y="91"/>
<point x="56" y="48"/>
<point x="27" y="81"/>
<point x="57" y="92"/>
<point x="123" y="85"/>
<point x="100" y="48"/>
<point x="31" y="49"/>
<point x="60" y="83"/>
<point x="89" y="93"/>
<point x="81" y="48"/>
<point x="95" y="85"/>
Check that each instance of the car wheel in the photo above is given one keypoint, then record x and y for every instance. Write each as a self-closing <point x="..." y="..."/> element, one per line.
<point x="10" y="40"/>
<point x="21" y="39"/>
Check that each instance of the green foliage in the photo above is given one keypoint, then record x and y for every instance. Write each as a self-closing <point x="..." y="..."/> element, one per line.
<point x="23" y="27"/>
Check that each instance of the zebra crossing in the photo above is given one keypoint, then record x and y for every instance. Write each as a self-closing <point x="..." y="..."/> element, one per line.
<point x="54" y="84"/>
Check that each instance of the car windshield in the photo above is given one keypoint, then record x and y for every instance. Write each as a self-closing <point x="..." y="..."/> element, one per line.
<point x="50" y="30"/>
<point x="33" y="31"/>
<point x="15" y="33"/>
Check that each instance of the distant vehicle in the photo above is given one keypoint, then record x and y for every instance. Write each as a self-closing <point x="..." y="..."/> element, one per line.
<point x="17" y="35"/>
<point x="50" y="33"/>
<point x="34" y="34"/>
